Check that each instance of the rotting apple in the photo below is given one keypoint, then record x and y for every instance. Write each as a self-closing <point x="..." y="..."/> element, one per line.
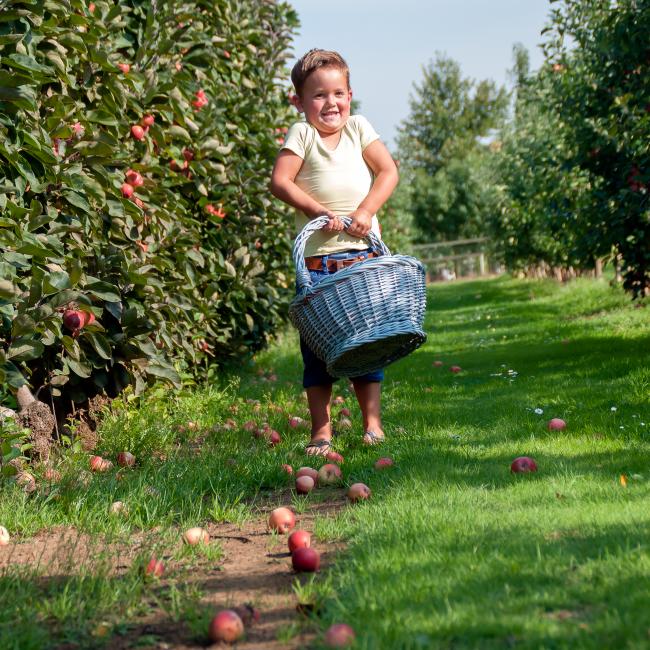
<point x="305" y="559"/>
<point x="329" y="474"/>
<point x="248" y="614"/>
<point x="299" y="539"/>
<point x="523" y="464"/>
<point x="196" y="535"/>
<point x="282" y="520"/>
<point x="119" y="508"/>
<point x="52" y="475"/>
<point x="26" y="481"/>
<point x="556" y="424"/>
<point x="339" y="635"/>
<point x="384" y="463"/>
<point x="125" y="459"/>
<point x="359" y="492"/>
<point x="226" y="626"/>
<point x="308" y="471"/>
<point x="304" y="484"/>
<point x="287" y="468"/>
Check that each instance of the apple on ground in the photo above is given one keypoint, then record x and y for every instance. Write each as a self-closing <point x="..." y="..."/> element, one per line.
<point x="345" y="412"/>
<point x="305" y="559"/>
<point x="274" y="438"/>
<point x="329" y="474"/>
<point x="556" y="424"/>
<point x="523" y="464"/>
<point x="304" y="484"/>
<point x="155" y="568"/>
<point x="295" y="421"/>
<point x="287" y="468"/>
<point x="339" y="635"/>
<point x="437" y="363"/>
<point x="455" y="369"/>
<point x="299" y="539"/>
<point x="125" y="459"/>
<point x="308" y="471"/>
<point x="359" y="492"/>
<point x="334" y="456"/>
<point x="384" y="463"/>
<point x="119" y="508"/>
<point x="99" y="464"/>
<point x="282" y="520"/>
<point x="226" y="626"/>
<point x="248" y="614"/>
<point x="196" y="535"/>
<point x="52" y="475"/>
<point x="4" y="536"/>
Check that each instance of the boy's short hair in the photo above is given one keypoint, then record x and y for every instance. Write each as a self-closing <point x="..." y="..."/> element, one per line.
<point x="313" y="60"/>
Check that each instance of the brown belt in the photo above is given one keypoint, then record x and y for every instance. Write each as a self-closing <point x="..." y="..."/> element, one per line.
<point x="316" y="263"/>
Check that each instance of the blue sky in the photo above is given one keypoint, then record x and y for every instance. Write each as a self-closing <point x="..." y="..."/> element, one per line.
<point x="386" y="43"/>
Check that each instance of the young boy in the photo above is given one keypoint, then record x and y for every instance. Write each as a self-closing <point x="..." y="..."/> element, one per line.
<point x="333" y="164"/>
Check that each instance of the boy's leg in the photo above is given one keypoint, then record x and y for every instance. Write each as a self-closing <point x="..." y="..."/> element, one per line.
<point x="369" y="397"/>
<point x="318" y="398"/>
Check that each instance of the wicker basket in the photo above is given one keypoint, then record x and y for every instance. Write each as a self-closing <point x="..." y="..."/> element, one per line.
<point x="363" y="317"/>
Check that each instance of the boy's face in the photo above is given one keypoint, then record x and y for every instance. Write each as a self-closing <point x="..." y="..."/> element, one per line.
<point x="325" y="100"/>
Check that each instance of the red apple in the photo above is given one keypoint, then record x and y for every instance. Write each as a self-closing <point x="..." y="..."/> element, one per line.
<point x="249" y="425"/>
<point x="73" y="319"/>
<point x="226" y="626"/>
<point x="305" y="559"/>
<point x="384" y="463"/>
<point x="287" y="468"/>
<point x="134" y="178"/>
<point x="137" y="132"/>
<point x="89" y="318"/>
<point x="308" y="471"/>
<point x="4" y="536"/>
<point x="299" y="539"/>
<point x="282" y="520"/>
<point x="127" y="190"/>
<point x="155" y="568"/>
<point x="148" y="120"/>
<point x="99" y="464"/>
<point x="52" y="475"/>
<point x="345" y="411"/>
<point x="188" y="154"/>
<point x="359" y="492"/>
<point x="523" y="464"/>
<point x="295" y="421"/>
<point x="125" y="459"/>
<point x="274" y="438"/>
<point x="334" y="456"/>
<point x="304" y="484"/>
<point x="124" y="67"/>
<point x="556" y="424"/>
<point x="339" y="635"/>
<point x="455" y="369"/>
<point x="329" y="474"/>
<point x="339" y="399"/>
<point x="437" y="363"/>
<point x="196" y="535"/>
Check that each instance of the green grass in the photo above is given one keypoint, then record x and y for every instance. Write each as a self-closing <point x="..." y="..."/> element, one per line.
<point x="452" y="552"/>
<point x="456" y="552"/>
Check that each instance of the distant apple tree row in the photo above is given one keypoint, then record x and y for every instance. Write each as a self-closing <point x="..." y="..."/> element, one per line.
<point x="137" y="238"/>
<point x="563" y="180"/>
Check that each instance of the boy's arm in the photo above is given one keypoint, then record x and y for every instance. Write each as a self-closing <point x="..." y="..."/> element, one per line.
<point x="283" y="186"/>
<point x="383" y="167"/>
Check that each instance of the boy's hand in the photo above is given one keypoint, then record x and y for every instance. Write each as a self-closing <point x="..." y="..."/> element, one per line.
<point x="334" y="224"/>
<point x="361" y="223"/>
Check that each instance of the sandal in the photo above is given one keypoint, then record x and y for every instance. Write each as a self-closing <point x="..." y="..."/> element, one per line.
<point x="371" y="438"/>
<point x="321" y="447"/>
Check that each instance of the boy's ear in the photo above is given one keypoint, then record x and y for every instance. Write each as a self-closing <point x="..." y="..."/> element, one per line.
<point x="295" y="100"/>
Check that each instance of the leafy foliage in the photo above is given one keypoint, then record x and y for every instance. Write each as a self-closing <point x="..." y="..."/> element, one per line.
<point x="136" y="139"/>
<point x="577" y="163"/>
<point x="440" y="142"/>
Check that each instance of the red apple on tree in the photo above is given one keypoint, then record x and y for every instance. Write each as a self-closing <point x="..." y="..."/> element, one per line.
<point x="124" y="67"/>
<point x="137" y="132"/>
<point x="127" y="190"/>
<point x="148" y="120"/>
<point x="134" y="178"/>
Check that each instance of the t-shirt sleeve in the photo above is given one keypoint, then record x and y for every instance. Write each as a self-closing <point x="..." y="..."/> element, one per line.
<point x="367" y="133"/>
<point x="296" y="139"/>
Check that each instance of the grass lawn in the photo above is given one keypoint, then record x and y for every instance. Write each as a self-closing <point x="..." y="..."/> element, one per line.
<point x="453" y="551"/>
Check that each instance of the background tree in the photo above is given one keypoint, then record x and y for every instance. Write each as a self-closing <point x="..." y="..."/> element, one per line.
<point x="441" y="143"/>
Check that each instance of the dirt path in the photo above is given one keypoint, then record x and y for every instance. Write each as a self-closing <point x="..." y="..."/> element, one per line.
<point x="255" y="568"/>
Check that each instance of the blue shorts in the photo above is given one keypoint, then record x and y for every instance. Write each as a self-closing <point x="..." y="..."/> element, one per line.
<point x="315" y="371"/>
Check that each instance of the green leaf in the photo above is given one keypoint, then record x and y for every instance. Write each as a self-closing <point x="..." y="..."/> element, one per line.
<point x="23" y="349"/>
<point x="80" y="369"/>
<point x="100" y="344"/>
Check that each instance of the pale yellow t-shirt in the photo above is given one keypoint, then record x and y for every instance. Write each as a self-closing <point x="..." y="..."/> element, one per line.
<point x="338" y="179"/>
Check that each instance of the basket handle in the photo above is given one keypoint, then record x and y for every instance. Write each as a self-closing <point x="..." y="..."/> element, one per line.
<point x="302" y="275"/>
